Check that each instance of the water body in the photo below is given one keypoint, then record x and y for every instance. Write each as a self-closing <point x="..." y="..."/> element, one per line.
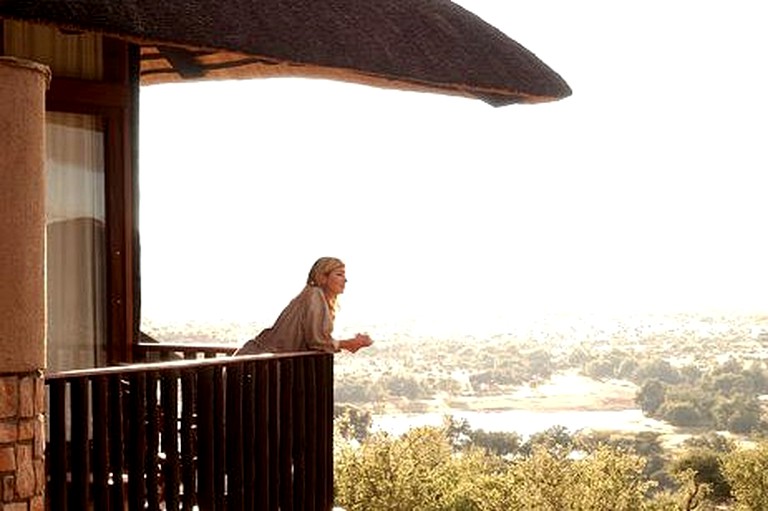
<point x="528" y="422"/>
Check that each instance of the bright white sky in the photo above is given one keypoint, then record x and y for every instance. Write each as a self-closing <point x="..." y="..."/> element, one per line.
<point x="642" y="192"/>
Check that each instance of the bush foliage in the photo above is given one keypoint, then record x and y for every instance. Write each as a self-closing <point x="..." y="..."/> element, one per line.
<point x="427" y="469"/>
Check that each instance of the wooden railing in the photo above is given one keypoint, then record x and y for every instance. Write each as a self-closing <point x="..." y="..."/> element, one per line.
<point x="165" y="351"/>
<point x="229" y="433"/>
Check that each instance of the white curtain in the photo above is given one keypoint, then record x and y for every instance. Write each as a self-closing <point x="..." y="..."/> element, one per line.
<point x="76" y="264"/>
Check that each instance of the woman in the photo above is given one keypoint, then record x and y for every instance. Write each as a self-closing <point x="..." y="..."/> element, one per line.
<point x="306" y="324"/>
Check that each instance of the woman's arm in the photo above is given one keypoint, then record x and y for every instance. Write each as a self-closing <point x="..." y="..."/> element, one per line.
<point x="319" y="326"/>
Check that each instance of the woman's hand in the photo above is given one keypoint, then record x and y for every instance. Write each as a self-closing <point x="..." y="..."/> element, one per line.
<point x="364" y="339"/>
<point x="357" y="342"/>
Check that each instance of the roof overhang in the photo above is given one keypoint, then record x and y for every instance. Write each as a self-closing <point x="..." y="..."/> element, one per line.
<point x="428" y="45"/>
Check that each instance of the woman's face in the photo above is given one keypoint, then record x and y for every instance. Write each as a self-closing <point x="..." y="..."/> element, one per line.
<point x="335" y="281"/>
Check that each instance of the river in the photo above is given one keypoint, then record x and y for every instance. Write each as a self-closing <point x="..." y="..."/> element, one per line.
<point x="527" y="422"/>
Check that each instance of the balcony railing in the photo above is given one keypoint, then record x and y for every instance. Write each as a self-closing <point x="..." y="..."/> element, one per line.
<point x="227" y="433"/>
<point x="166" y="351"/>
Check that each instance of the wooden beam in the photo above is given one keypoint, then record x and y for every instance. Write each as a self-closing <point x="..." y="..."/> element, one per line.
<point x="182" y="61"/>
<point x="68" y="94"/>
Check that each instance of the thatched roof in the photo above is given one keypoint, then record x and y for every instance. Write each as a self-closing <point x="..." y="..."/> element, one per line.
<point x="415" y="44"/>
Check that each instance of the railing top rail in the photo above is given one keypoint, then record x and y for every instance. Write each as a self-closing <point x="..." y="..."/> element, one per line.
<point x="187" y="347"/>
<point x="174" y="365"/>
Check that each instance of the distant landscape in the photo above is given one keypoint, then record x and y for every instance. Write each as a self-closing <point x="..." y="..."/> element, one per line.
<point x="558" y="364"/>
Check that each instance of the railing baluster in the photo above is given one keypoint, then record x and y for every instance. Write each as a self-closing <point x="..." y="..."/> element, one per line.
<point x="188" y="444"/>
<point x="219" y="439"/>
<point x="234" y="434"/>
<point x="285" y="418"/>
<point x="100" y="452"/>
<point x="205" y="420"/>
<point x="80" y="463"/>
<point x="153" y="443"/>
<point x="169" y="399"/>
<point x="137" y="433"/>
<point x="116" y="440"/>
<point x="249" y="440"/>
<point x="311" y="465"/>
<point x="299" y="447"/>
<point x="324" y="430"/>
<point x="261" y="452"/>
<point x="273" y="415"/>
<point x="57" y="456"/>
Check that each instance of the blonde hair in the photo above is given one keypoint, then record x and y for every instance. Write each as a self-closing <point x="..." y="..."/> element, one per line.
<point x="323" y="267"/>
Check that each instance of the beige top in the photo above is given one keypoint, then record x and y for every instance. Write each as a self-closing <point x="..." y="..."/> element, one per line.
<point x="305" y="324"/>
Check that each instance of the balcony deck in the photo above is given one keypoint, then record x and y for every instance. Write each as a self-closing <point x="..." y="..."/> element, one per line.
<point x="212" y="434"/>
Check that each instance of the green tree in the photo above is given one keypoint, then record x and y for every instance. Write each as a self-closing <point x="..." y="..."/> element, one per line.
<point x="691" y="374"/>
<point x="500" y="443"/>
<point x="746" y="418"/>
<point x="604" y="480"/>
<point x="738" y="413"/>
<point x="729" y="382"/>
<point x="730" y="366"/>
<point x="355" y="390"/>
<point x="658" y="369"/>
<point x="494" y="378"/>
<point x="556" y="440"/>
<point x="608" y="480"/>
<point x="651" y="396"/>
<point x="352" y="422"/>
<point x="404" y="386"/>
<point x="683" y="414"/>
<point x="579" y="356"/>
<point x="627" y="368"/>
<point x="758" y="377"/>
<point x="457" y="431"/>
<point x="600" y="368"/>
<point x="706" y="468"/>
<point x="747" y="472"/>
<point x="687" y="496"/>
<point x="646" y="444"/>
<point x="540" y="481"/>
<point x="411" y="472"/>
<point x="712" y="441"/>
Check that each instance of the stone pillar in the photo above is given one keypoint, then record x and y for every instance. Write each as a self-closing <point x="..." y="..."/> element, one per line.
<point x="22" y="284"/>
